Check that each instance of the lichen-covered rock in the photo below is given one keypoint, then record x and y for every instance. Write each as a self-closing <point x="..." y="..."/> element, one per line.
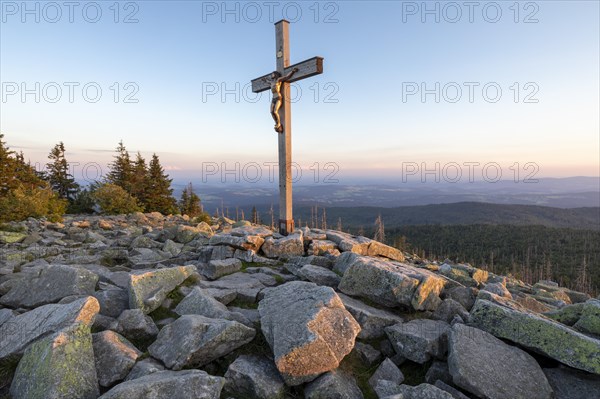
<point x="449" y="309"/>
<point x="285" y="247"/>
<point x="335" y="384"/>
<point x="344" y="261"/>
<point x="349" y="243"/>
<point x="392" y="284"/>
<point x="144" y="367"/>
<point x="322" y="247"/>
<point x="539" y="334"/>
<point x="254" y="377"/>
<point x="419" y="340"/>
<point x="53" y="283"/>
<point x="589" y="321"/>
<point x="10" y="237"/>
<point x="491" y="369"/>
<point x="148" y="289"/>
<point x="372" y="320"/>
<point x="308" y="329"/>
<point x="19" y="331"/>
<point x="59" y="366"/>
<point x="169" y="384"/>
<point x="194" y="340"/>
<point x="115" y="356"/>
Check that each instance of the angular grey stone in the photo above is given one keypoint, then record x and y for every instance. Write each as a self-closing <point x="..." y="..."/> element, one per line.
<point x="244" y="242"/>
<point x="285" y="247"/>
<point x="388" y="371"/>
<point x="344" y="261"/>
<point x="220" y="268"/>
<point x="372" y="320"/>
<point x="60" y="365"/>
<point x="448" y="310"/>
<point x="378" y="249"/>
<point x="319" y="275"/>
<point x="464" y="295"/>
<point x="143" y="368"/>
<point x="103" y="323"/>
<point x="321" y="247"/>
<point x="476" y="355"/>
<point x="572" y="384"/>
<point x="221" y="252"/>
<point x="259" y="231"/>
<point x="169" y="384"/>
<point x="367" y="354"/>
<point x="254" y="377"/>
<point x="308" y="329"/>
<point x="438" y="371"/>
<point x="456" y="394"/>
<point x="6" y="315"/>
<point x="194" y="340"/>
<point x="136" y="326"/>
<point x="388" y="390"/>
<point x="115" y="356"/>
<point x="423" y="391"/>
<point x="392" y="284"/>
<point x="18" y="332"/>
<point x="539" y="334"/>
<point x="200" y="303"/>
<point x="333" y="385"/>
<point x="148" y="289"/>
<point x="420" y="340"/>
<point x="112" y="301"/>
<point x="53" y="283"/>
<point x="246" y="286"/>
<point x="498" y="289"/>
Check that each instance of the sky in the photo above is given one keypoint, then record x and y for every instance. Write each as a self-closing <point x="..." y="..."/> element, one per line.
<point x="408" y="87"/>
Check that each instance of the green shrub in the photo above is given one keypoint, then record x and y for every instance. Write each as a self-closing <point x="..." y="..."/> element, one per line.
<point x="24" y="202"/>
<point x="113" y="200"/>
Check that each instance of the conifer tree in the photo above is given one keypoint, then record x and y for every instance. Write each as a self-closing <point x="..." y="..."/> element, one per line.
<point x="58" y="174"/>
<point x="379" y="230"/>
<point x="139" y="179"/>
<point x="190" y="202"/>
<point x="159" y="194"/>
<point x="121" y="169"/>
<point x="254" y="218"/>
<point x="7" y="167"/>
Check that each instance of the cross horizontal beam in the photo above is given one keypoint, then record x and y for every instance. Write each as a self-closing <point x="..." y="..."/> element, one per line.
<point x="306" y="69"/>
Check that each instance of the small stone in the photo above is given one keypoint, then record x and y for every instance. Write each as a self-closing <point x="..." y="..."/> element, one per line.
<point x="388" y="371"/>
<point x="115" y="356"/>
<point x="254" y="377"/>
<point x="220" y="268"/>
<point x="333" y="385"/>
<point x="136" y="326"/>
<point x="420" y="340"/>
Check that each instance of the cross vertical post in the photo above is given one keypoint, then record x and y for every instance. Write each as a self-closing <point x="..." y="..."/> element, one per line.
<point x="279" y="83"/>
<point x="282" y="51"/>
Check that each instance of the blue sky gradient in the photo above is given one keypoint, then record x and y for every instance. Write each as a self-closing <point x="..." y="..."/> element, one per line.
<point x="177" y="50"/>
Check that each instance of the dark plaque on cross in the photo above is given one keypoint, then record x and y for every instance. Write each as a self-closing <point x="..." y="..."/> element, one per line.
<point x="281" y="111"/>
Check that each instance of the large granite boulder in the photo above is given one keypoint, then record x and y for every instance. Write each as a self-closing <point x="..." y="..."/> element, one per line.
<point x="148" y="289"/>
<point x="169" y="384"/>
<point x="219" y="268"/>
<point x="539" y="334"/>
<point x="285" y="247"/>
<point x="254" y="377"/>
<point x="60" y="365"/>
<point x="194" y="341"/>
<point x="201" y="303"/>
<point x="392" y="284"/>
<point x="420" y="340"/>
<point x="335" y="384"/>
<point x="572" y="384"/>
<point x="53" y="283"/>
<point x="372" y="320"/>
<point x="487" y="367"/>
<point x="308" y="329"/>
<point x="19" y="331"/>
<point x="115" y="356"/>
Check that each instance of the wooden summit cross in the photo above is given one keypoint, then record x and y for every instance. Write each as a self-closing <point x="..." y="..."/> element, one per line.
<point x="279" y="83"/>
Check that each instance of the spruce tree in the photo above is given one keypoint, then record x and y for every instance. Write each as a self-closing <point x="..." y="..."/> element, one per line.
<point x="190" y="202"/>
<point x="159" y="194"/>
<point x="121" y="169"/>
<point x="7" y="167"/>
<point x="58" y="174"/>
<point x="255" y="218"/>
<point x="139" y="179"/>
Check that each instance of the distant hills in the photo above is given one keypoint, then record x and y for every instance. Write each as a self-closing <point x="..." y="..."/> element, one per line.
<point x="464" y="213"/>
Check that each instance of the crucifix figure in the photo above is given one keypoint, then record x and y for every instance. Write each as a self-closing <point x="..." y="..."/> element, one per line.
<point x="279" y="84"/>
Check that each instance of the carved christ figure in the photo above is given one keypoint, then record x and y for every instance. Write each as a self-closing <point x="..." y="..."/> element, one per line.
<point x="276" y="80"/>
